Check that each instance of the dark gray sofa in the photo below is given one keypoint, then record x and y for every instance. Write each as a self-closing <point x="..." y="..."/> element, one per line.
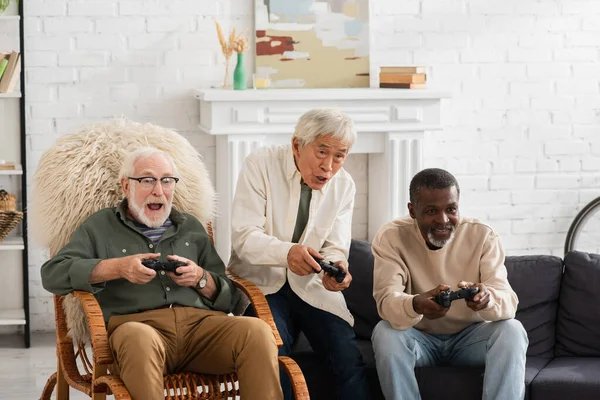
<point x="559" y="307"/>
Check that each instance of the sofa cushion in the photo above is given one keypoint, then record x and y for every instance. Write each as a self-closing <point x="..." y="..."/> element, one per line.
<point x="536" y="281"/>
<point x="457" y="382"/>
<point x="359" y="296"/>
<point x="568" y="378"/>
<point x="578" y="330"/>
<point x="466" y="382"/>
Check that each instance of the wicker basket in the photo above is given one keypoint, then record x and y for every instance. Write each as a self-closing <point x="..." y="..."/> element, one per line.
<point x="8" y="221"/>
<point x="8" y="201"/>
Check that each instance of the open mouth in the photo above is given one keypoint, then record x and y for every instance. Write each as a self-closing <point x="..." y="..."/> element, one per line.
<point x="154" y="206"/>
<point x="321" y="179"/>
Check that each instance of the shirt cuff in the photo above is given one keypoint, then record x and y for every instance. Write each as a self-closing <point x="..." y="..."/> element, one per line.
<point x="283" y="251"/>
<point x="223" y="300"/>
<point x="80" y="276"/>
<point x="491" y="304"/>
<point x="409" y="309"/>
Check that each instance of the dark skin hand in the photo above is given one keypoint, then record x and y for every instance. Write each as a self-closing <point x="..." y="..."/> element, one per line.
<point x="424" y="303"/>
<point x="331" y="284"/>
<point x="481" y="299"/>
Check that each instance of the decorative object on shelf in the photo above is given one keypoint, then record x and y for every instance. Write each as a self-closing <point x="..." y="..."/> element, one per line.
<point x="9" y="217"/>
<point x="10" y="66"/>
<point x="402" y="77"/>
<point x="8" y="202"/>
<point x="236" y="43"/>
<point x="240" y="82"/>
<point x="313" y="44"/>
<point x="6" y="164"/>
<point x="260" y="81"/>
<point x="8" y="221"/>
<point x="5" y="3"/>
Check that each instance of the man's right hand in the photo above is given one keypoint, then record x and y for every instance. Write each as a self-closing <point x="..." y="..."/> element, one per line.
<point x="426" y="305"/>
<point x="301" y="260"/>
<point x="132" y="269"/>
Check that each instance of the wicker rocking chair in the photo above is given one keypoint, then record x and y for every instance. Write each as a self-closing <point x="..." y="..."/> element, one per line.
<point x="92" y="158"/>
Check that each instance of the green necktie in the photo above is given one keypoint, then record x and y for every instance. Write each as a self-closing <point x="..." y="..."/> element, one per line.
<point x="303" y="208"/>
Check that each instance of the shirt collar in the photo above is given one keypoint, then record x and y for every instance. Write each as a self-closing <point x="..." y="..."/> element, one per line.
<point x="291" y="170"/>
<point x="290" y="164"/>
<point x="123" y="207"/>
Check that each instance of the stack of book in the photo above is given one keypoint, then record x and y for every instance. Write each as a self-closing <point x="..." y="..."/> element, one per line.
<point x="10" y="70"/>
<point x="7" y="165"/>
<point x="402" y="77"/>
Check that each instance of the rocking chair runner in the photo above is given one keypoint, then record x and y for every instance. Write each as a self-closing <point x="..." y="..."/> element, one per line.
<point x="80" y="175"/>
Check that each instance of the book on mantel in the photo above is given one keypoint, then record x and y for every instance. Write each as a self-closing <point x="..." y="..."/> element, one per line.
<point x="402" y="77"/>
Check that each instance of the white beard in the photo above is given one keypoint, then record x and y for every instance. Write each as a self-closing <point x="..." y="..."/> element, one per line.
<point x="439" y="243"/>
<point x="139" y="212"/>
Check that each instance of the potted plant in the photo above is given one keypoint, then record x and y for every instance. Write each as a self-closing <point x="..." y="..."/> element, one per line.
<point x="239" y="44"/>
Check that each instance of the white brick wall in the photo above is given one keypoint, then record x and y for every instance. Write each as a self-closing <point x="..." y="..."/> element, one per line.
<point x="521" y="130"/>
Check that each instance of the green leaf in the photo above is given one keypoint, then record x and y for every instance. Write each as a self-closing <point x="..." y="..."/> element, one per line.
<point x="4" y="5"/>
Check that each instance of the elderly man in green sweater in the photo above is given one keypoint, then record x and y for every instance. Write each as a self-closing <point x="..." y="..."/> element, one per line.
<point x="158" y="321"/>
<point x="434" y="249"/>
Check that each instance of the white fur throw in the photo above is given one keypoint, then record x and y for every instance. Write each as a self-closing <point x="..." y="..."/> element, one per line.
<point x="79" y="175"/>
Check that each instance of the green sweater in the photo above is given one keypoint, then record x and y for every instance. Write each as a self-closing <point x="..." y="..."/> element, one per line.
<point x="109" y="234"/>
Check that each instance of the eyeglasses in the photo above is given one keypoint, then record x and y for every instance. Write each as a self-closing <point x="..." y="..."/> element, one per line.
<point x="148" y="182"/>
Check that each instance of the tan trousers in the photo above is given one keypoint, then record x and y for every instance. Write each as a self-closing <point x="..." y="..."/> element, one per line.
<point x="150" y="344"/>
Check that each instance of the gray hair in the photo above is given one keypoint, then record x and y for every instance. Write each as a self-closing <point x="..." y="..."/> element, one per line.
<point x="431" y="178"/>
<point x="131" y="158"/>
<point x="325" y="121"/>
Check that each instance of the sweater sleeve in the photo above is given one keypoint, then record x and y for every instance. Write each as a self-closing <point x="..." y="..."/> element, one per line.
<point x="503" y="300"/>
<point x="390" y="278"/>
<point x="248" y="237"/>
<point x="71" y="267"/>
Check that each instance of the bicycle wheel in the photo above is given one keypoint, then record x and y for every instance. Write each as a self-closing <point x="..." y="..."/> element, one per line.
<point x="584" y="232"/>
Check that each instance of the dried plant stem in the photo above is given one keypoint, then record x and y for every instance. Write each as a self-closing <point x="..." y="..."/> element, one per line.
<point x="236" y="43"/>
<point x="226" y="71"/>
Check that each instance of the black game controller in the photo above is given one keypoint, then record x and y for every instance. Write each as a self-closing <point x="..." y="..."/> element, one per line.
<point x="446" y="297"/>
<point x="338" y="273"/>
<point x="157" y="265"/>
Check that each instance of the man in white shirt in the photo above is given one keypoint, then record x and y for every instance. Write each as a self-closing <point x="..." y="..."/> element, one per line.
<point x="293" y="204"/>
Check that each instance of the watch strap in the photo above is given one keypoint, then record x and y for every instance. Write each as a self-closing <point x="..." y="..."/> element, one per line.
<point x="202" y="282"/>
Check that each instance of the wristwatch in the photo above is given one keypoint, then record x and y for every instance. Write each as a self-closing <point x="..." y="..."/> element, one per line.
<point x="202" y="282"/>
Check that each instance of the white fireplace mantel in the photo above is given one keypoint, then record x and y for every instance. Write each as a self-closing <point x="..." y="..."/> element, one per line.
<point x="391" y="124"/>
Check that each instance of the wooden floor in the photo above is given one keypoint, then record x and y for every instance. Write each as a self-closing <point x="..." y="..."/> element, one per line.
<point x="23" y="372"/>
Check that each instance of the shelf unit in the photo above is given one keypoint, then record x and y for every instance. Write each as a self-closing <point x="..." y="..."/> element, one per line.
<point x="14" y="297"/>
<point x="12" y="242"/>
<point x="10" y="172"/>
<point x="12" y="95"/>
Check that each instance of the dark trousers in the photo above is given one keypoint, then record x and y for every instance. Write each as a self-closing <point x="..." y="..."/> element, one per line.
<point x="331" y="338"/>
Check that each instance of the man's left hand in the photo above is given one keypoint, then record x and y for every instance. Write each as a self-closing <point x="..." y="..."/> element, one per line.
<point x="190" y="272"/>
<point x="481" y="299"/>
<point x="331" y="284"/>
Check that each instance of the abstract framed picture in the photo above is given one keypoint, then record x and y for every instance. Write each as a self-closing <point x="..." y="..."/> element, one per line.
<point x="312" y="44"/>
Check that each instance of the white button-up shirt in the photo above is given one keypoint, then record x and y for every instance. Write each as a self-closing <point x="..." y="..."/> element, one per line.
<point x="264" y="214"/>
